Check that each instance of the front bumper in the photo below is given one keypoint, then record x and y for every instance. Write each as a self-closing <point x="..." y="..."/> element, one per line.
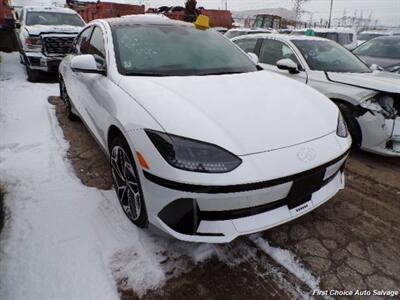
<point x="219" y="214"/>
<point x="41" y="62"/>
<point x="380" y="135"/>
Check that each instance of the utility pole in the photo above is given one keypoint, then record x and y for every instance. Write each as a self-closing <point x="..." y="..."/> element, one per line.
<point x="226" y="4"/>
<point x="330" y="15"/>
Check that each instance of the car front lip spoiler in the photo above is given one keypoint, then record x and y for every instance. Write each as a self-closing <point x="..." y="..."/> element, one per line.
<point x="224" y="189"/>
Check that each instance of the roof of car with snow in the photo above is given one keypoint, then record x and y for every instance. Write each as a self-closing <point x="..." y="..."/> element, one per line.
<point x="50" y="9"/>
<point x="148" y="19"/>
<point x="387" y="38"/>
<point x="285" y="37"/>
<point x="383" y="32"/>
<point x="321" y="29"/>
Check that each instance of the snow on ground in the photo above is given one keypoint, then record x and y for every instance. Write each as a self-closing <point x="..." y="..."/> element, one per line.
<point x="63" y="239"/>
<point x="287" y="259"/>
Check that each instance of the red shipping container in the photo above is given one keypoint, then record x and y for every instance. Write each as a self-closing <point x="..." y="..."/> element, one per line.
<point x="105" y="10"/>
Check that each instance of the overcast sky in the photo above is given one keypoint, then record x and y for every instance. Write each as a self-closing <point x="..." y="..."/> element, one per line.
<point x="386" y="11"/>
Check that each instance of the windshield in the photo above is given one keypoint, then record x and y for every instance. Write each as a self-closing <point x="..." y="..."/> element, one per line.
<point x="165" y="50"/>
<point x="384" y="47"/>
<point x="52" y="18"/>
<point x="329" y="56"/>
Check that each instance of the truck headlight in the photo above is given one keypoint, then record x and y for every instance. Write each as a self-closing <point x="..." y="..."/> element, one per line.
<point x="33" y="43"/>
<point x="192" y="155"/>
<point x="342" y="130"/>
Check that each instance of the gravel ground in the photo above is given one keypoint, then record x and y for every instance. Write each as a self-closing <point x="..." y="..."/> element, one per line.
<point x="350" y="243"/>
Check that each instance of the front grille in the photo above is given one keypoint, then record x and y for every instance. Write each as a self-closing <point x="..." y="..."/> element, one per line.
<point x="57" y="45"/>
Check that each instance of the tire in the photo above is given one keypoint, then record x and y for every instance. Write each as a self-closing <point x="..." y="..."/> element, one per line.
<point x="352" y="124"/>
<point x="67" y="101"/>
<point x="33" y="75"/>
<point x="127" y="183"/>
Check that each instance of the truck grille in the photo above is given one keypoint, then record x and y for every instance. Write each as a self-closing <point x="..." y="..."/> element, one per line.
<point x="58" y="45"/>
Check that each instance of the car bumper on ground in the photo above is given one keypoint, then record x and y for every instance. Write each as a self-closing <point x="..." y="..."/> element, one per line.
<point x="219" y="214"/>
<point x="38" y="61"/>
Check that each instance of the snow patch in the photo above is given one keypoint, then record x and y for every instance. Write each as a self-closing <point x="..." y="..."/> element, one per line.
<point x="287" y="260"/>
<point x="63" y="239"/>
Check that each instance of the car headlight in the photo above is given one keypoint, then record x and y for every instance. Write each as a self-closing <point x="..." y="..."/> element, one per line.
<point x="342" y="127"/>
<point x="34" y="43"/>
<point x="192" y="155"/>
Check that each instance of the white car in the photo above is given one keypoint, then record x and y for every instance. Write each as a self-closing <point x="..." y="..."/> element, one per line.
<point x="346" y="37"/>
<point x="202" y="144"/>
<point x="371" y="34"/>
<point x="369" y="101"/>
<point x="235" y="32"/>
<point x="45" y="35"/>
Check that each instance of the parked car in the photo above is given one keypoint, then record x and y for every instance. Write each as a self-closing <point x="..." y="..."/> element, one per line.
<point x="371" y="34"/>
<point x="346" y="37"/>
<point x="203" y="144"/>
<point x="45" y="36"/>
<point x="369" y="101"/>
<point x="382" y="51"/>
<point x="234" y="32"/>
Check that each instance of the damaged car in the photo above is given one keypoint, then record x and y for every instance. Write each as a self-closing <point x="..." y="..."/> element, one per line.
<point x="369" y="100"/>
<point x="203" y="145"/>
<point x="45" y="36"/>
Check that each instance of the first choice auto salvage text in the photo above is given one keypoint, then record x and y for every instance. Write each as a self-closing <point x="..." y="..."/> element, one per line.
<point x="386" y="293"/>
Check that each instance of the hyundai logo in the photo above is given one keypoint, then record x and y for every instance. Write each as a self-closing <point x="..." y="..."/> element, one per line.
<point x="306" y="154"/>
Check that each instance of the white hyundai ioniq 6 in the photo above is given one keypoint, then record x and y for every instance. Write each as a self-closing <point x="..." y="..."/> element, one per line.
<point x="202" y="144"/>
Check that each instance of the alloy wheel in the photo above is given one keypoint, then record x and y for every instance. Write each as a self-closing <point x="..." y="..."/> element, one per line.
<point x="126" y="183"/>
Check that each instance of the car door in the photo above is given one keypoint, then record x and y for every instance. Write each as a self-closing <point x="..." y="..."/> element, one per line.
<point x="73" y="82"/>
<point x="271" y="51"/>
<point x="98" y="87"/>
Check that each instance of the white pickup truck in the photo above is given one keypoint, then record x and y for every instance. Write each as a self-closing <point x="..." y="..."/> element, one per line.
<point x="45" y="36"/>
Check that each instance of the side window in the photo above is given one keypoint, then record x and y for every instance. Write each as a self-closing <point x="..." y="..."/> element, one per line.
<point x="96" y="46"/>
<point x="247" y="45"/>
<point x="82" y="42"/>
<point x="272" y="51"/>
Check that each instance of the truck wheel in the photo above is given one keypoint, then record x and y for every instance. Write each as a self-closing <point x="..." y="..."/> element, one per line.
<point x="33" y="75"/>
<point x="352" y="124"/>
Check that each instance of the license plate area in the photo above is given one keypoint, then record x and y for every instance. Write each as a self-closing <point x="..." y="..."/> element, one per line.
<point x="303" y="188"/>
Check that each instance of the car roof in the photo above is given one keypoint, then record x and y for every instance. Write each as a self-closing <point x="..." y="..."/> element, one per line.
<point x="321" y="29"/>
<point x="50" y="9"/>
<point x="145" y="19"/>
<point x="284" y="37"/>
<point x="387" y="38"/>
<point x="377" y="32"/>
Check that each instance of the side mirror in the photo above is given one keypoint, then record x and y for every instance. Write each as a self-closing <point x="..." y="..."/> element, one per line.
<point x="288" y="65"/>
<point x="253" y="57"/>
<point x="375" y="67"/>
<point x="85" y="64"/>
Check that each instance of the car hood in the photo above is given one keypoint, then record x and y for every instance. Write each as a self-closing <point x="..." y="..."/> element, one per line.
<point x="380" y="61"/>
<point x="62" y="29"/>
<point x="379" y="81"/>
<point x="243" y="113"/>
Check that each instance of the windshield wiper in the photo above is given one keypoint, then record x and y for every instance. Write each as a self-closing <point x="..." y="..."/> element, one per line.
<point x="221" y="73"/>
<point x="151" y="74"/>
